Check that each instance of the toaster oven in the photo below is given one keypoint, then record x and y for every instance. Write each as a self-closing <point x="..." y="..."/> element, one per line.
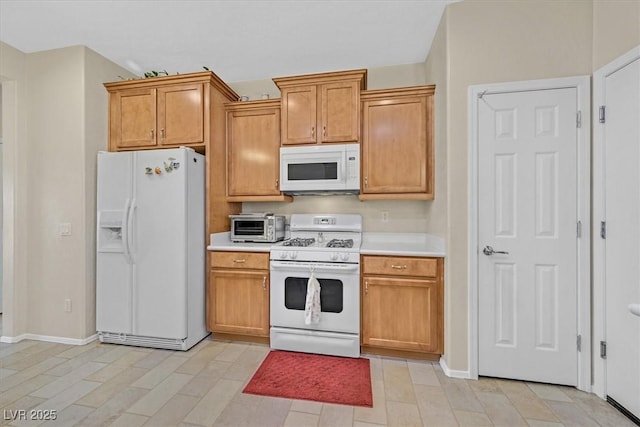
<point x="257" y="227"/>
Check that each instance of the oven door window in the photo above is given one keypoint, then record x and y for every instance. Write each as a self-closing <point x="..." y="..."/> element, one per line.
<point x="312" y="171"/>
<point x="295" y="294"/>
<point x="248" y="228"/>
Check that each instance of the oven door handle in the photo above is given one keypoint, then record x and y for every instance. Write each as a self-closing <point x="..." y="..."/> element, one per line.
<point x="289" y="265"/>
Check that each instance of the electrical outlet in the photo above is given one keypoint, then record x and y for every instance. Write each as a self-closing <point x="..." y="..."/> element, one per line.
<point x="385" y="216"/>
<point x="65" y="229"/>
<point x="67" y="305"/>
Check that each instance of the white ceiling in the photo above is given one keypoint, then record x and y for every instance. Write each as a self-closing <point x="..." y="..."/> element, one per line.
<point x="238" y="40"/>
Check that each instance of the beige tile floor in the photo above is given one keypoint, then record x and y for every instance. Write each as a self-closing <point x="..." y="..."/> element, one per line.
<point x="101" y="384"/>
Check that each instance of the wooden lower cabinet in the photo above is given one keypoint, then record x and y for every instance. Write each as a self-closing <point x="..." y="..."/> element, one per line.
<point x="238" y="294"/>
<point x="402" y="304"/>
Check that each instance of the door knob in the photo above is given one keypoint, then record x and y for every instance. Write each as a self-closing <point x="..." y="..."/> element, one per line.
<point x="634" y="309"/>
<point x="488" y="250"/>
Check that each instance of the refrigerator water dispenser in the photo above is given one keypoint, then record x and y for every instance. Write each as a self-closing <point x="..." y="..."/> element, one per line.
<point x="110" y="231"/>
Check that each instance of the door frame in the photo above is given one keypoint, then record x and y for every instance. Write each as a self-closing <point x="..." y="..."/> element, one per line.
<point x="599" y="289"/>
<point x="475" y="92"/>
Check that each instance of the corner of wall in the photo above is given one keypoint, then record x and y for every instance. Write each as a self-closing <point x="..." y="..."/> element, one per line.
<point x="97" y="71"/>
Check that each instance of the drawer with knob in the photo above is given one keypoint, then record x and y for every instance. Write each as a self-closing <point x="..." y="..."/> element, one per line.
<point x="400" y="266"/>
<point x="240" y="260"/>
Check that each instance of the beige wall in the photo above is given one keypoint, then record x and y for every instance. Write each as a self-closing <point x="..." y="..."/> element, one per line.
<point x="404" y="216"/>
<point x="56" y="264"/>
<point x="436" y="72"/>
<point x="616" y="29"/>
<point x="485" y="41"/>
<point x="66" y="116"/>
<point x="97" y="70"/>
<point x="495" y="41"/>
<point x="377" y="78"/>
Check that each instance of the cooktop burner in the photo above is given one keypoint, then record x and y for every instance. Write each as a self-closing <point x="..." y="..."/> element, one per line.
<point x="340" y="243"/>
<point x="299" y="241"/>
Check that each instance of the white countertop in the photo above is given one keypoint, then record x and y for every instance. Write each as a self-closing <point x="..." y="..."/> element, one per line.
<point x="407" y="244"/>
<point x="222" y="242"/>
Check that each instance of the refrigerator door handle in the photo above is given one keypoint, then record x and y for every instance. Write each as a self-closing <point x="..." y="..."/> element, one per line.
<point x="130" y="230"/>
<point x="125" y="231"/>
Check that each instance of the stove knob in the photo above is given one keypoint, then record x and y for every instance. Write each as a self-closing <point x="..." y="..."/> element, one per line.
<point x="344" y="256"/>
<point x="293" y="255"/>
<point x="283" y="254"/>
<point x="334" y="256"/>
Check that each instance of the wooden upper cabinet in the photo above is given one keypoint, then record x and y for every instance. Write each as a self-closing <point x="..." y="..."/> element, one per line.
<point x="299" y="115"/>
<point x="181" y="114"/>
<point x="340" y="118"/>
<point x="163" y="112"/>
<point x="397" y="144"/>
<point x="321" y="108"/>
<point x="133" y="118"/>
<point x="253" y="151"/>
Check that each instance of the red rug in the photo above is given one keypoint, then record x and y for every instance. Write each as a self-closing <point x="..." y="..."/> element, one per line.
<point x="328" y="379"/>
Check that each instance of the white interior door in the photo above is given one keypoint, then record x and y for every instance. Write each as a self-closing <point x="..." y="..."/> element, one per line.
<point x="527" y="208"/>
<point x="622" y="243"/>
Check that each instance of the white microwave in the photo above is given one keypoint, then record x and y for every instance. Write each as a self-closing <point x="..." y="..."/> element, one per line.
<point x="320" y="169"/>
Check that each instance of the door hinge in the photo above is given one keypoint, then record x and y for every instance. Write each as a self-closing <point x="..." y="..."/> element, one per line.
<point x="601" y="114"/>
<point x="603" y="229"/>
<point x="579" y="119"/>
<point x="579" y="229"/>
<point x="579" y="342"/>
<point x="603" y="349"/>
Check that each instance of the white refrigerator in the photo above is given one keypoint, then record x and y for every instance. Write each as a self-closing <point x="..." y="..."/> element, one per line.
<point x="150" y="268"/>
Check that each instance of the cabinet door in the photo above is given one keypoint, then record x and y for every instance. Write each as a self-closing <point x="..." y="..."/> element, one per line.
<point x="181" y="114"/>
<point x="238" y="302"/>
<point x="340" y="112"/>
<point x="253" y="150"/>
<point x="299" y="105"/>
<point x="401" y="314"/>
<point x="395" y="153"/>
<point x="133" y="118"/>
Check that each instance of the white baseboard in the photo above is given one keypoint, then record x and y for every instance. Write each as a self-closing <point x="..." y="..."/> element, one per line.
<point x="49" y="338"/>
<point x="452" y="373"/>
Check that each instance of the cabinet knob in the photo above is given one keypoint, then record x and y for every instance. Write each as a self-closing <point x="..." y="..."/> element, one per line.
<point x="366" y="181"/>
<point x="324" y="131"/>
<point x="264" y="283"/>
<point x="153" y="134"/>
<point x="162" y="133"/>
<point x="239" y="261"/>
<point x="313" y="132"/>
<point x="366" y="287"/>
<point x="399" y="267"/>
<point x="277" y="183"/>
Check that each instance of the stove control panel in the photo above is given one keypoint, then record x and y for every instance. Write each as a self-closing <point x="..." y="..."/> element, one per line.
<point x="317" y="256"/>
